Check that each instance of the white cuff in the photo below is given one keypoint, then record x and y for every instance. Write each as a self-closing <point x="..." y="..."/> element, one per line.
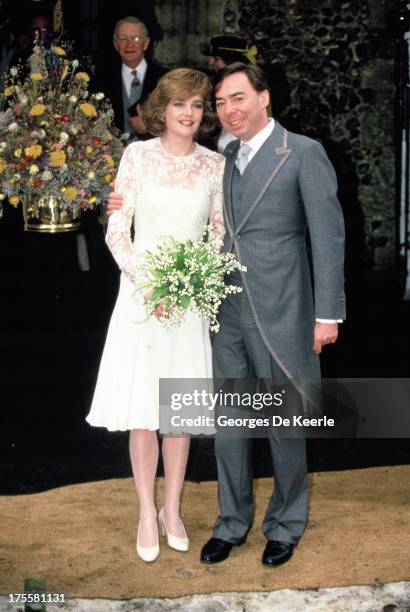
<point x="329" y="321"/>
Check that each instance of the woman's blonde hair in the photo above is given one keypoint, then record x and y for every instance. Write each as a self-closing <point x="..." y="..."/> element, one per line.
<point x="178" y="84"/>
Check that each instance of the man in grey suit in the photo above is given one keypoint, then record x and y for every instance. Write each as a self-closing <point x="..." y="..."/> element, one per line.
<point x="277" y="185"/>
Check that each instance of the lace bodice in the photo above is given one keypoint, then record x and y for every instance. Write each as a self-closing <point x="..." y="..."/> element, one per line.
<point x="165" y="195"/>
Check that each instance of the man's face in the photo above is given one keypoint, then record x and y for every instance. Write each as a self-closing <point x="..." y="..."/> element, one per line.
<point x="39" y="24"/>
<point x="131" y="50"/>
<point x="241" y="109"/>
<point x="216" y="62"/>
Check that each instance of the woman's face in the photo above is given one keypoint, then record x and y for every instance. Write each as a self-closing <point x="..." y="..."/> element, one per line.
<point x="183" y="117"/>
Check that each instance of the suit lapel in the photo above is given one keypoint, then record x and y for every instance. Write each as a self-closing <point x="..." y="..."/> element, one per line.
<point x="147" y="85"/>
<point x="117" y="98"/>
<point x="151" y="78"/>
<point x="264" y="168"/>
<point x="228" y="174"/>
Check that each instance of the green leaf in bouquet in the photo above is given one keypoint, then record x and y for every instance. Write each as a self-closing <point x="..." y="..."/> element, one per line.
<point x="184" y="301"/>
<point x="158" y="293"/>
<point x="180" y="261"/>
<point x="196" y="281"/>
<point x="158" y="274"/>
<point x="181" y="284"/>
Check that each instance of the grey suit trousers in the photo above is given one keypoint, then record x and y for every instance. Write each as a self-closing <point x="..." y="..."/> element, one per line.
<point x="238" y="352"/>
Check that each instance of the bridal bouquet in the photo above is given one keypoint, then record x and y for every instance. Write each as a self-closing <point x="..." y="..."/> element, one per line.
<point x="188" y="275"/>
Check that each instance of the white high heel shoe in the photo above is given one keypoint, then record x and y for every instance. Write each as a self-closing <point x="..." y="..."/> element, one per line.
<point x="180" y="544"/>
<point x="147" y="554"/>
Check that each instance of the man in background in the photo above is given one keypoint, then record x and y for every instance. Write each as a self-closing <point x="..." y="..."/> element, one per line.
<point x="224" y="50"/>
<point x="133" y="79"/>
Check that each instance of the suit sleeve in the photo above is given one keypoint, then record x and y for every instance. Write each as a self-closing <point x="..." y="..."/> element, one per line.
<point x="318" y="186"/>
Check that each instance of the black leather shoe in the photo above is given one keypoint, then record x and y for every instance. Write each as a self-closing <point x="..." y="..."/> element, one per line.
<point x="216" y="550"/>
<point x="276" y="552"/>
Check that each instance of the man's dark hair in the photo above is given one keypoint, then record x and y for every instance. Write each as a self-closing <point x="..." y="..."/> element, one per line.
<point x="255" y="75"/>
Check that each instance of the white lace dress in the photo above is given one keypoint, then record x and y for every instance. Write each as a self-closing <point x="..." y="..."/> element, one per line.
<point x="164" y="195"/>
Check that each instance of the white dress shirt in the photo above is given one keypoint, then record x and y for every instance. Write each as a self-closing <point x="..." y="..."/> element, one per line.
<point x="128" y="77"/>
<point x="258" y="140"/>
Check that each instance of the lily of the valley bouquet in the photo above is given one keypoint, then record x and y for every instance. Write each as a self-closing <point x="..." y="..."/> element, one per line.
<point x="55" y="136"/>
<point x="188" y="275"/>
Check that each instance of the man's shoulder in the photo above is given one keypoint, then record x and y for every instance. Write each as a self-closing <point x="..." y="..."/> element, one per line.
<point x="300" y="142"/>
<point x="156" y="70"/>
<point x="152" y="76"/>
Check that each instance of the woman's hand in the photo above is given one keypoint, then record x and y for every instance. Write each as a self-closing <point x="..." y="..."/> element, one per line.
<point x="159" y="311"/>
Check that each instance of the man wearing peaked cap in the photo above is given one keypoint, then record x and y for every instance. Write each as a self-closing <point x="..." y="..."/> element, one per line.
<point x="224" y="50"/>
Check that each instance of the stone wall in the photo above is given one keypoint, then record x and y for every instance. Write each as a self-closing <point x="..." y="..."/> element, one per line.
<point x="338" y="58"/>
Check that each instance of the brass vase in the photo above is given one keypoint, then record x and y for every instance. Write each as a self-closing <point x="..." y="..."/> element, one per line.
<point x="48" y="214"/>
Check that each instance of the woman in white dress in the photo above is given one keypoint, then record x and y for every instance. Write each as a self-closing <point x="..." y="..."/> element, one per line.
<point x="171" y="186"/>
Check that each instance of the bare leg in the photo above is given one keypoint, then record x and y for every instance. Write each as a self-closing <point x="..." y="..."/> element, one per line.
<point x="144" y="461"/>
<point x="175" y="453"/>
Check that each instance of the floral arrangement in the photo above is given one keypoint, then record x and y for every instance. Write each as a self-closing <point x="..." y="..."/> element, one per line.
<point x="55" y="136"/>
<point x="188" y="275"/>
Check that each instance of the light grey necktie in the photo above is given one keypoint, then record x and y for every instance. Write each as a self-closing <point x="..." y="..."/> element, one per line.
<point x="242" y="158"/>
<point x="135" y="91"/>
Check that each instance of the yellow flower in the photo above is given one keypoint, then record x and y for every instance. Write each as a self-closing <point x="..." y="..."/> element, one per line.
<point x="110" y="160"/>
<point x="57" y="159"/>
<point x="17" y="153"/>
<point x="9" y="90"/>
<point x="34" y="151"/>
<point x="82" y="76"/>
<point x="88" y="109"/>
<point x="34" y="169"/>
<point x="108" y="178"/>
<point x="36" y="110"/>
<point x="89" y="150"/>
<point x="71" y="193"/>
<point x="92" y="199"/>
<point x="36" y="76"/>
<point x="14" y="200"/>
<point x="2" y="165"/>
<point x="2" y="196"/>
<point x="91" y="175"/>
<point x="58" y="51"/>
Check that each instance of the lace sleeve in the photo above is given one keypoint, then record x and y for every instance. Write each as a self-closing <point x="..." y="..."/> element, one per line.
<point x="216" y="220"/>
<point x="118" y="236"/>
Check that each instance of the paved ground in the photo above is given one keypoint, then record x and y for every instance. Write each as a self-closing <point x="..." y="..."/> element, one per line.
<point x="393" y="597"/>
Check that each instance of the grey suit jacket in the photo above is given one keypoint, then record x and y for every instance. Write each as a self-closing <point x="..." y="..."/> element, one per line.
<point x="292" y="189"/>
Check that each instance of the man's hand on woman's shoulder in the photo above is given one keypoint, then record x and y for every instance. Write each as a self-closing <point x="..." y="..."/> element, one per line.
<point x="115" y="201"/>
